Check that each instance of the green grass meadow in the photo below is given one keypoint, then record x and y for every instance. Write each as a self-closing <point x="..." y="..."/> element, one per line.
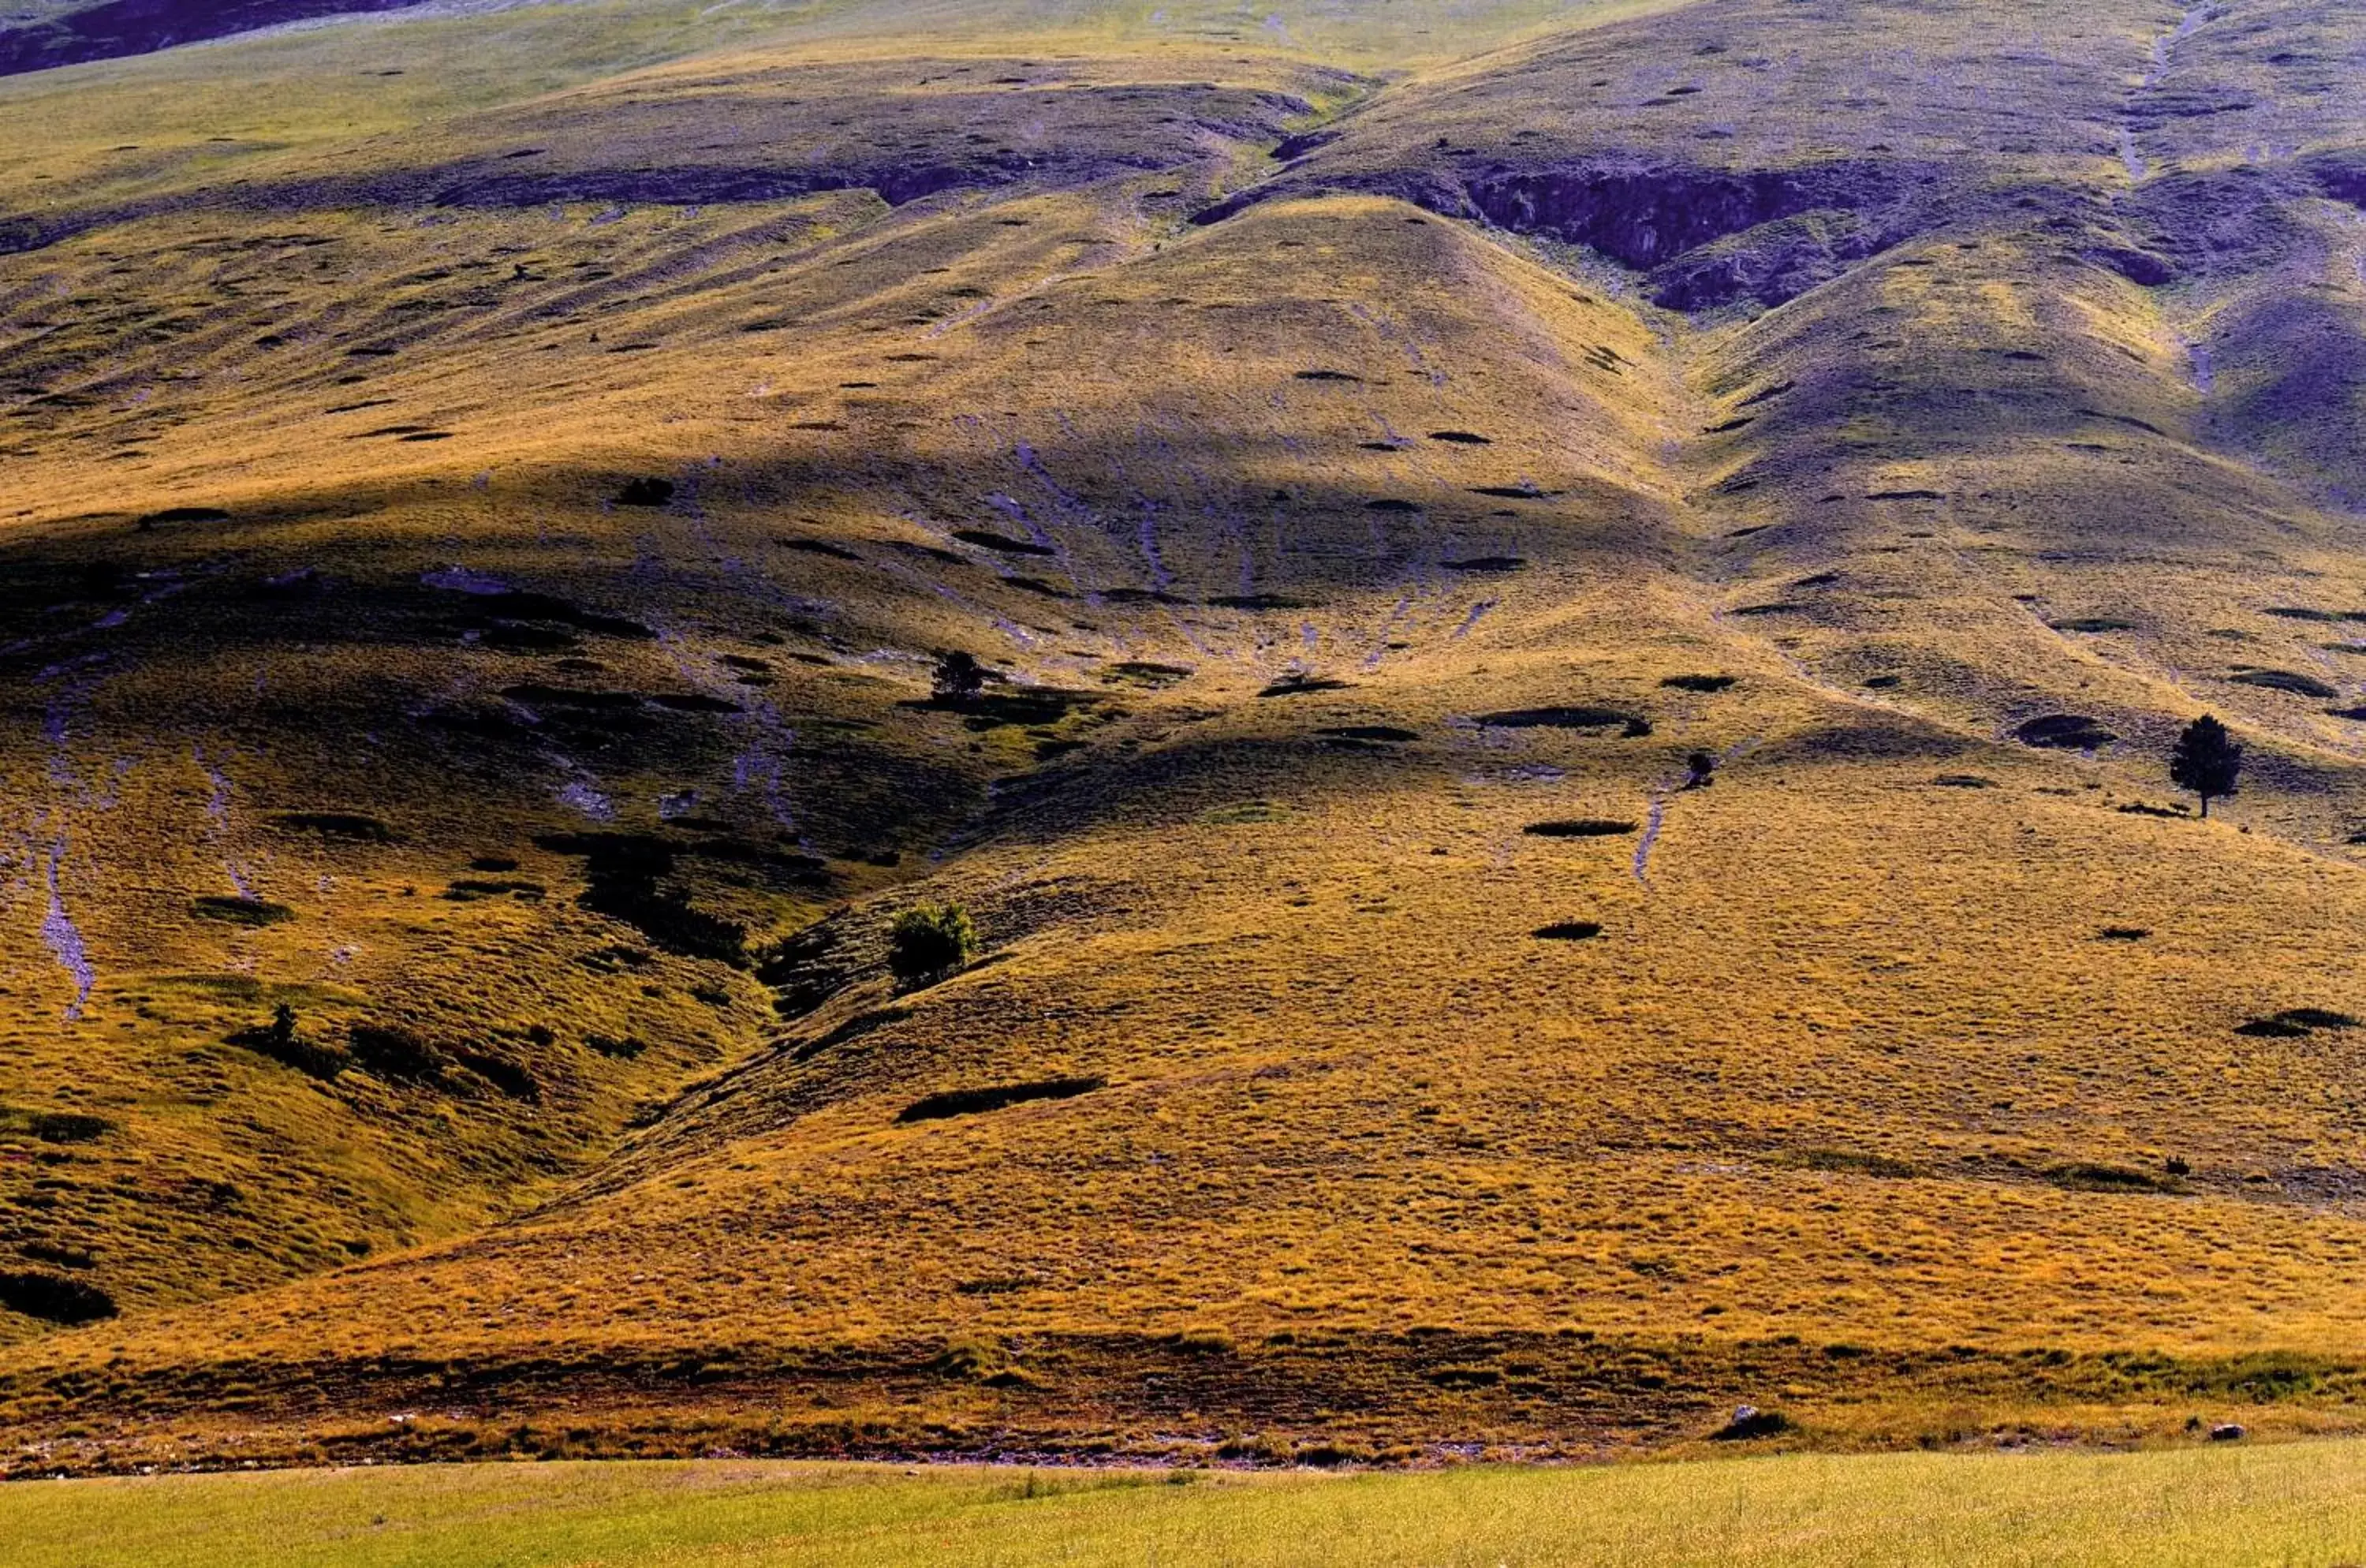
<point x="2292" y="1503"/>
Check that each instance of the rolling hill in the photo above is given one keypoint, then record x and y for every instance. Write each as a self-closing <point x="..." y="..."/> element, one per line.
<point x="1587" y="605"/>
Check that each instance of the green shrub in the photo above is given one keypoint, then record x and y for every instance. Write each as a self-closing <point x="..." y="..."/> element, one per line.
<point x="930" y="940"/>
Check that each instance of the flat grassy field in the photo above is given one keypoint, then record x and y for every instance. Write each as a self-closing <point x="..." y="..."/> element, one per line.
<point x="2292" y="1504"/>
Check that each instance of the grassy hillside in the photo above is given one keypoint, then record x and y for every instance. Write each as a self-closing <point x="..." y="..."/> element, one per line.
<point x="2266" y="1505"/>
<point x="475" y="555"/>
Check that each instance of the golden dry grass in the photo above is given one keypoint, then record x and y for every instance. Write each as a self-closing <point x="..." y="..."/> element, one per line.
<point x="1851" y="1061"/>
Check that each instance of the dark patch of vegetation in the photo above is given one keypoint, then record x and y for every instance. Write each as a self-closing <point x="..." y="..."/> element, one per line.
<point x="1017" y="705"/>
<point x="1329" y="1455"/>
<point x="1247" y="811"/>
<point x="1510" y="492"/>
<point x="54" y="1298"/>
<point x="55" y="1126"/>
<point x="1259" y="602"/>
<point x="1295" y="684"/>
<point x="624" y="1050"/>
<point x="1630" y="726"/>
<point x="2295" y="612"/>
<point x="1327" y="375"/>
<point x="1146" y="672"/>
<point x="624" y="871"/>
<point x="1884" y="683"/>
<point x="354" y="827"/>
<point x="1964" y="781"/>
<point x="1778" y="607"/>
<point x="1856" y="1162"/>
<point x="396" y="1052"/>
<point x="2064" y="732"/>
<point x="241" y="911"/>
<point x="513" y="637"/>
<point x="184" y="514"/>
<point x="2092" y="624"/>
<point x="821" y="547"/>
<point x="1392" y="504"/>
<point x="1487" y="564"/>
<point x="2123" y="933"/>
<point x="1580" y="828"/>
<point x="1460" y="437"/>
<point x="1387" y="733"/>
<point x="2356" y="712"/>
<point x="536" y="695"/>
<point x="2293" y="1023"/>
<point x="930" y="942"/>
<point x="976" y="1101"/>
<point x="1699" y="683"/>
<point x="645" y="492"/>
<point x="985" y="540"/>
<point x="1568" y="930"/>
<point x="510" y="1077"/>
<point x="282" y="1041"/>
<point x="469" y="889"/>
<point x="1906" y="495"/>
<point x="2088" y="1176"/>
<point x="2286" y="680"/>
<point x="493" y="862"/>
<point x="2145" y="808"/>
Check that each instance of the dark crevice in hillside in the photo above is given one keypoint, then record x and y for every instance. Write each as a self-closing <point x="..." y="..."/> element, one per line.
<point x="1702" y="238"/>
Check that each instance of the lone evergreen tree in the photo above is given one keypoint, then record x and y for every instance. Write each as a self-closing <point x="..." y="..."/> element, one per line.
<point x="960" y="677"/>
<point x="1702" y="770"/>
<point x="2207" y="760"/>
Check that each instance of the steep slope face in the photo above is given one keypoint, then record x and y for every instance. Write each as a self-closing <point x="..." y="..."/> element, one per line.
<point x="1549" y="862"/>
<point x="1737" y="151"/>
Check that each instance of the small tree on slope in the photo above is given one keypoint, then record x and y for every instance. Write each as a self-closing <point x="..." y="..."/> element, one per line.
<point x="959" y="678"/>
<point x="2207" y="760"/>
<point x="928" y="942"/>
